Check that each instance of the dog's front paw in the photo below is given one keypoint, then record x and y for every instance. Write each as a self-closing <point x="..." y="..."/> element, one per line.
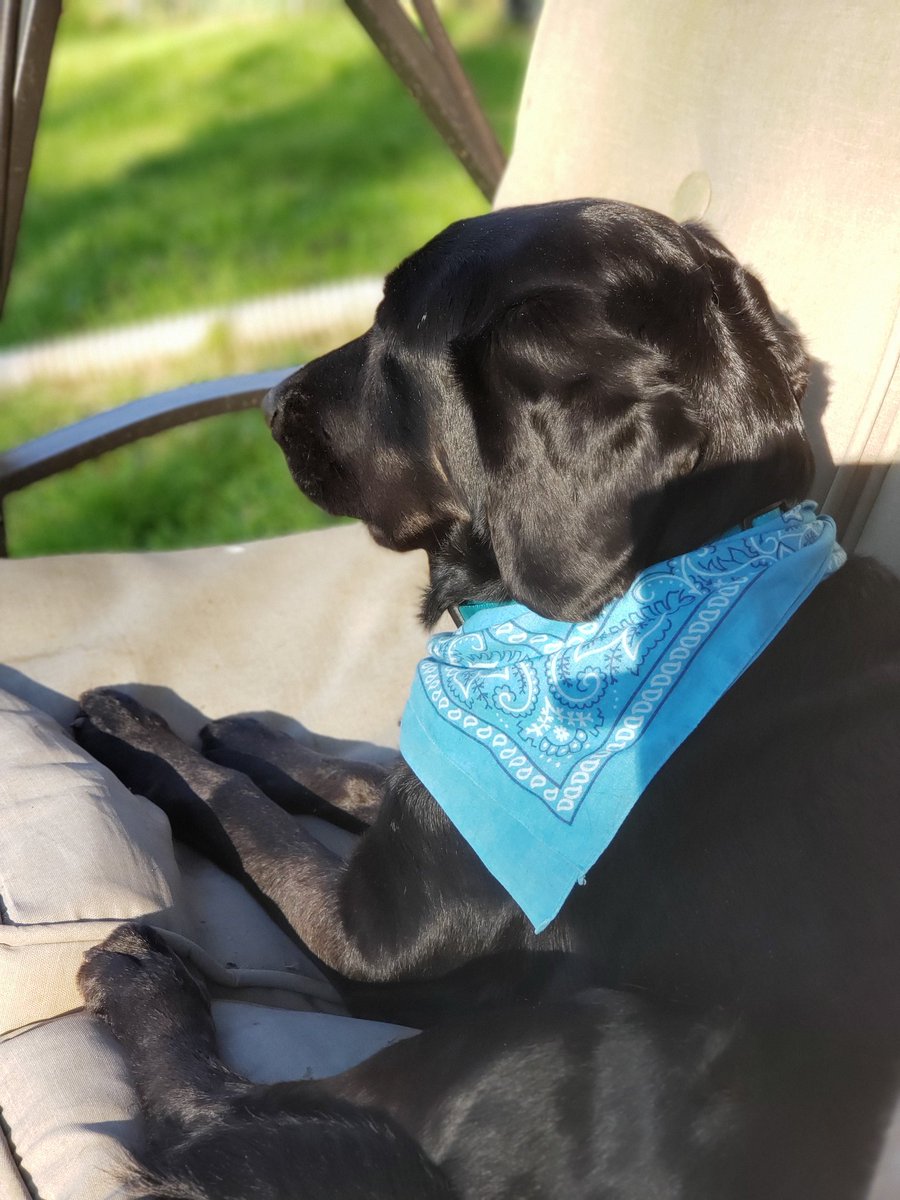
<point x="133" y="973"/>
<point x="141" y="750"/>
<point x="279" y="765"/>
<point x="240" y="742"/>
<point x="114" y="727"/>
<point x="239" y="736"/>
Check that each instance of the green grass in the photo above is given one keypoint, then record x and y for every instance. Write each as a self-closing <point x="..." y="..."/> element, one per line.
<point x="185" y="163"/>
<point x="182" y="164"/>
<point x="215" y="481"/>
<point x="162" y="494"/>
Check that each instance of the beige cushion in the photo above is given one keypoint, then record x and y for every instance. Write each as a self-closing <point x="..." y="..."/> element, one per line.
<point x="41" y="881"/>
<point x="79" y="853"/>
<point x="317" y="628"/>
<point x="69" y="1108"/>
<point x="76" y="848"/>
<point x="268" y="1045"/>
<point x="780" y="128"/>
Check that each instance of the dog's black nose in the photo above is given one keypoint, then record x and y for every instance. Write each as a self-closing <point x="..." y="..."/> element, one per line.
<point x="271" y="406"/>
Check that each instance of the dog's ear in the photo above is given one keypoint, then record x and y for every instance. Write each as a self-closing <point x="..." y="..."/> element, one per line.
<point x="740" y="293"/>
<point x="581" y="430"/>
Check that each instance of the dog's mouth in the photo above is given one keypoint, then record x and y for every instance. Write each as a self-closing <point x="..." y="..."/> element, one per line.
<point x="325" y="482"/>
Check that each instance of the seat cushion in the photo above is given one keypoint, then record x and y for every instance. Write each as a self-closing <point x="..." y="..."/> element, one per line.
<point x="78" y="854"/>
<point x="316" y="630"/>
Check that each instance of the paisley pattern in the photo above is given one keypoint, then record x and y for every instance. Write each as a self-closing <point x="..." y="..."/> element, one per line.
<point x="543" y="712"/>
<point x="553" y="702"/>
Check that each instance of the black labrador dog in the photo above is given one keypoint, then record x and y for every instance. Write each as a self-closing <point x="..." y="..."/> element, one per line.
<point x="613" y="1095"/>
<point x="551" y="399"/>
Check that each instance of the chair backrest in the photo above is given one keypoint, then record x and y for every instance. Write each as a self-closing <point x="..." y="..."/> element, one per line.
<point x="779" y="125"/>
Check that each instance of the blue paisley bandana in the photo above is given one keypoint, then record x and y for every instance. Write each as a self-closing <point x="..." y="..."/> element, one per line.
<point x="537" y="737"/>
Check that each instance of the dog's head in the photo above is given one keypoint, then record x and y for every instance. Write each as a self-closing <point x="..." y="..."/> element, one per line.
<point x="551" y="399"/>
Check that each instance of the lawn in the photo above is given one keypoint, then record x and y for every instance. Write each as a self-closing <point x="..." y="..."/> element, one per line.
<point x="218" y="480"/>
<point x="186" y="163"/>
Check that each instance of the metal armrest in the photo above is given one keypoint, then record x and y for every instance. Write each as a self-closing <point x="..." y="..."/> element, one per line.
<point x="95" y="435"/>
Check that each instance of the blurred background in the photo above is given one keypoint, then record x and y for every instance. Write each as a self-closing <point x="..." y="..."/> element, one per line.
<point x="193" y="155"/>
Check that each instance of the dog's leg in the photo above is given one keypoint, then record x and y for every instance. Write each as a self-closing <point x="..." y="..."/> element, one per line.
<point x="301" y="780"/>
<point x="160" y="1016"/>
<point x="226" y="817"/>
<point x="204" y="1123"/>
<point x="381" y="916"/>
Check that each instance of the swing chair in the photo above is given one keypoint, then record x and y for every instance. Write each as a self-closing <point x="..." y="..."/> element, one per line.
<point x="779" y="131"/>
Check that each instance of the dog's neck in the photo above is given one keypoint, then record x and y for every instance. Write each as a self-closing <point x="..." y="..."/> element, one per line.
<point x="463" y="570"/>
<point x="563" y="737"/>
